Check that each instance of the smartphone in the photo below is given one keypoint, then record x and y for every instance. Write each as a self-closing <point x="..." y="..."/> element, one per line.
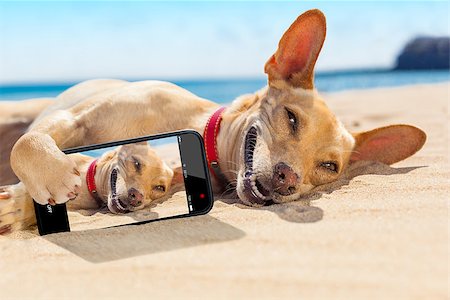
<point x="134" y="181"/>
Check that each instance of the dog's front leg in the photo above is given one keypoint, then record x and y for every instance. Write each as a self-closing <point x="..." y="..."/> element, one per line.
<point x="49" y="175"/>
<point x="16" y="208"/>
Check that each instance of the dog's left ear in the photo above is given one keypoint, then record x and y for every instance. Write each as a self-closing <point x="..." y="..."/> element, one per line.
<point x="388" y="144"/>
<point x="298" y="50"/>
<point x="178" y="177"/>
<point x="130" y="146"/>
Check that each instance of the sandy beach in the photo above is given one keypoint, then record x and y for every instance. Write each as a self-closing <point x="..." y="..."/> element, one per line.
<point x="379" y="233"/>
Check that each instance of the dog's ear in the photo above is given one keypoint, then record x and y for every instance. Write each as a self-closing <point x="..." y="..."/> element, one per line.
<point x="125" y="151"/>
<point x="178" y="177"/>
<point x="388" y="144"/>
<point x="130" y="146"/>
<point x="298" y="50"/>
<point x="108" y="155"/>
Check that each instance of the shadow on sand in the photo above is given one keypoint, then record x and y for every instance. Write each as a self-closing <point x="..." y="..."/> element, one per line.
<point x="302" y="211"/>
<point x="103" y="245"/>
<point x="116" y="243"/>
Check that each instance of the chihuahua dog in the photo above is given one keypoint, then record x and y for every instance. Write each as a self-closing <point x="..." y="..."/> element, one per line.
<point x="125" y="179"/>
<point x="275" y="145"/>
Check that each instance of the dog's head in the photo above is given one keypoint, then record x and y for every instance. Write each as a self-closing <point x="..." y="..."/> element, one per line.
<point x="135" y="176"/>
<point x="292" y="142"/>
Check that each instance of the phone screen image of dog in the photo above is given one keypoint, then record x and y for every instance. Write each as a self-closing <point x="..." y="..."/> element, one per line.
<point x="128" y="184"/>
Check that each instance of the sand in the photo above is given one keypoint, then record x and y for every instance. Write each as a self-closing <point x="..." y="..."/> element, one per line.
<point x="379" y="233"/>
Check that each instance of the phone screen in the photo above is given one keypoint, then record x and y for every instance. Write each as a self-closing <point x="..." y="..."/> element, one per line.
<point x="140" y="181"/>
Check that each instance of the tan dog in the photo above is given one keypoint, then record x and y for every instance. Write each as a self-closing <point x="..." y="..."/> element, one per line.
<point x="127" y="178"/>
<point x="276" y="144"/>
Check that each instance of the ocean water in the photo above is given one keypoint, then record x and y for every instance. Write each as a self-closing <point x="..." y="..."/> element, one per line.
<point x="225" y="90"/>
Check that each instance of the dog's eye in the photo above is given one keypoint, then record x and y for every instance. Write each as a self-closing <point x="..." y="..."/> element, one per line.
<point x="330" y="166"/>
<point x="292" y="120"/>
<point x="137" y="164"/>
<point x="159" y="188"/>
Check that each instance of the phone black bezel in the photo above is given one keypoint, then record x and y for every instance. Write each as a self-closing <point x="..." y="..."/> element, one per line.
<point x="209" y="190"/>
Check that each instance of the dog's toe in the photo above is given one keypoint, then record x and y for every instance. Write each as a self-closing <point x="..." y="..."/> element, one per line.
<point x="6" y="229"/>
<point x="7" y="218"/>
<point x="4" y="195"/>
<point x="65" y="189"/>
<point x="77" y="189"/>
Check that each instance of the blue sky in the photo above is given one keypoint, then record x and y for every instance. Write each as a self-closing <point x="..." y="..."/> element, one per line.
<point x="50" y="41"/>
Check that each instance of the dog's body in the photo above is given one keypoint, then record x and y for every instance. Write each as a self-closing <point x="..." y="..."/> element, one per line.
<point x="127" y="178"/>
<point x="276" y="144"/>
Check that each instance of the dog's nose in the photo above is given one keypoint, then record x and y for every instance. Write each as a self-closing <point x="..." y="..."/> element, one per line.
<point x="135" y="197"/>
<point x="284" y="179"/>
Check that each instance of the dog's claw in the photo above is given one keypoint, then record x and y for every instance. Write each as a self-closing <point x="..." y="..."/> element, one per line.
<point x="6" y="229"/>
<point x="72" y="195"/>
<point x="52" y="202"/>
<point x="76" y="172"/>
<point x="4" y="195"/>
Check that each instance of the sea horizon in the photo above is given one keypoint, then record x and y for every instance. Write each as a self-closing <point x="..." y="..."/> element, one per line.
<point x="226" y="89"/>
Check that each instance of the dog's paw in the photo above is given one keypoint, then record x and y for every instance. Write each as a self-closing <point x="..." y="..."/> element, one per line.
<point x="16" y="208"/>
<point x="4" y="230"/>
<point x="4" y="193"/>
<point x="54" y="180"/>
<point x="7" y="212"/>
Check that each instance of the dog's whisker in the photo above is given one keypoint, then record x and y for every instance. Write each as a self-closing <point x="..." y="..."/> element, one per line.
<point x="231" y="172"/>
<point x="232" y="183"/>
<point x="231" y="162"/>
<point x="229" y="190"/>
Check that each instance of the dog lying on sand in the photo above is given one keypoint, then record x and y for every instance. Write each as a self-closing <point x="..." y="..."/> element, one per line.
<point x="125" y="179"/>
<point x="273" y="146"/>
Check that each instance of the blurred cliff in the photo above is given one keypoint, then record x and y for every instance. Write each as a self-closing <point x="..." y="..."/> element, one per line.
<point x="425" y="53"/>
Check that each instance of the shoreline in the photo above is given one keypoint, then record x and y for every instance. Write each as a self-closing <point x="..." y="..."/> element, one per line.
<point x="260" y="77"/>
<point x="219" y="89"/>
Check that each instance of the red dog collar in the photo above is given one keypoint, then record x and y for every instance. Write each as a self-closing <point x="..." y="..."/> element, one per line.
<point x="90" y="181"/>
<point x="210" y="137"/>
